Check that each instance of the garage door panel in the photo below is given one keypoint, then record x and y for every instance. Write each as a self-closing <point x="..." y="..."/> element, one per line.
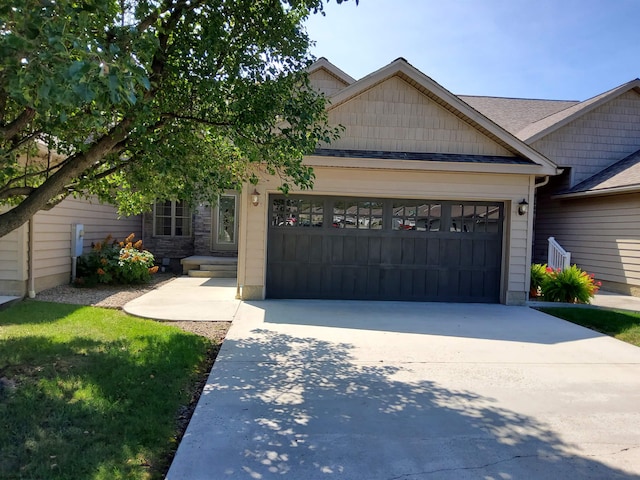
<point x="408" y="251"/>
<point x="374" y="252"/>
<point x="466" y="252"/>
<point x="289" y="248"/>
<point x="419" y="284"/>
<point x="451" y="257"/>
<point x="336" y="249"/>
<point x="420" y="251"/>
<point x="390" y="283"/>
<point x="316" y="248"/>
<point x="417" y="260"/>
<point x="362" y="250"/>
<point x="349" y="250"/>
<point x="478" y="249"/>
<point x="302" y="249"/>
<point x="314" y="278"/>
<point x="435" y="251"/>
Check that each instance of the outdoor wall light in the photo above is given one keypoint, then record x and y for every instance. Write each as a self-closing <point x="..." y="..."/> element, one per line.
<point x="523" y="207"/>
<point x="255" y="197"/>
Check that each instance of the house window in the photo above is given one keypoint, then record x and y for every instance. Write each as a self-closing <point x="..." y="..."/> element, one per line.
<point x="171" y="218"/>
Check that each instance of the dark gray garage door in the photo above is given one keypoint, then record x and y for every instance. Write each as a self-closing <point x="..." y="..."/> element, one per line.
<point x="384" y="249"/>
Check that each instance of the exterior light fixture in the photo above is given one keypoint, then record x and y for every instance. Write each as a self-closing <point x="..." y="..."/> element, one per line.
<point x="255" y="197"/>
<point x="523" y="207"/>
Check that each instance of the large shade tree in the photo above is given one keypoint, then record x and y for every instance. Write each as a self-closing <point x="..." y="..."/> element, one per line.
<point x="136" y="100"/>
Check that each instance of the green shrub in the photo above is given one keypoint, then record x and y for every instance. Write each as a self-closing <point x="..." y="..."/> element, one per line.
<point x="538" y="277"/>
<point x="571" y="285"/>
<point x="113" y="262"/>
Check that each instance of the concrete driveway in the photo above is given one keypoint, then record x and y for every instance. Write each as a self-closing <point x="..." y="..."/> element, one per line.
<point x="384" y="390"/>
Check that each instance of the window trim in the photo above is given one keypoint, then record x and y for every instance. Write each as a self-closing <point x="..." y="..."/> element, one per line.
<point x="173" y="217"/>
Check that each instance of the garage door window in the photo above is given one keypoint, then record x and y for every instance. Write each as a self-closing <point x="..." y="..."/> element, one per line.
<point x="290" y="212"/>
<point x="473" y="218"/>
<point x="359" y="214"/>
<point x="416" y="215"/>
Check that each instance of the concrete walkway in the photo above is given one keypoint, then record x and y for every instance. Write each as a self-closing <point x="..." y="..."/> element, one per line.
<point x="616" y="300"/>
<point x="188" y="298"/>
<point x="388" y="390"/>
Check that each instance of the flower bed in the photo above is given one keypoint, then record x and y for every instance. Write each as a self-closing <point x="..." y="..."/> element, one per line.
<point x="571" y="285"/>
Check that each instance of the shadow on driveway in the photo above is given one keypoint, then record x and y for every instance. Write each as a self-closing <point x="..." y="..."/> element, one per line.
<point x="303" y="401"/>
<point x="483" y="321"/>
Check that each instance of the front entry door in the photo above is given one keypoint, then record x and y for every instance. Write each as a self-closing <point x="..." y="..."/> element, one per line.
<point x="225" y="224"/>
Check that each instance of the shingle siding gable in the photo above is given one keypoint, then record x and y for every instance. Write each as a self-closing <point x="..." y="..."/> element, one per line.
<point x="596" y="140"/>
<point x="394" y="116"/>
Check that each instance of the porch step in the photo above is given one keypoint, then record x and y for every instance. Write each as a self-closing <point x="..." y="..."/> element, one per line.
<point x="219" y="267"/>
<point x="210" y="267"/>
<point x="212" y="273"/>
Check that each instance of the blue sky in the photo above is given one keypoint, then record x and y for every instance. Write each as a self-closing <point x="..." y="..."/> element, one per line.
<point x="553" y="49"/>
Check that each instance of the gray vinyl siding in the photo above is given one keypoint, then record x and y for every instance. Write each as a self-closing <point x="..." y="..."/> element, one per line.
<point x="602" y="234"/>
<point x="52" y="235"/>
<point x="597" y="139"/>
<point x="52" y="242"/>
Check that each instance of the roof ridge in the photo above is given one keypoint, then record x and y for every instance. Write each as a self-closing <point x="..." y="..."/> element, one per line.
<point x="538" y="129"/>
<point x="518" y="98"/>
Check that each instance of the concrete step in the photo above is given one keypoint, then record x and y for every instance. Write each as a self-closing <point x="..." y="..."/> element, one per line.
<point x="219" y="267"/>
<point x="212" y="274"/>
<point x="195" y="261"/>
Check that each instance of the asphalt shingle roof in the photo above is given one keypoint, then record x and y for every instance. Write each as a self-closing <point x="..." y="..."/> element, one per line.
<point x="514" y="114"/>
<point x="622" y="174"/>
<point x="428" y="157"/>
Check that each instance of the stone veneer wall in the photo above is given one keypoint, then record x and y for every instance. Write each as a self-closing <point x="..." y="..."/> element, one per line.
<point x="165" y="247"/>
<point x="202" y="230"/>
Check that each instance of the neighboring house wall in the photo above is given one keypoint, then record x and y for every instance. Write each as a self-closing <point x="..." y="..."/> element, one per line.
<point x="398" y="184"/>
<point x="603" y="236"/>
<point x="13" y="262"/>
<point x="394" y="116"/>
<point x="597" y="139"/>
<point x="52" y="242"/>
<point x="52" y="236"/>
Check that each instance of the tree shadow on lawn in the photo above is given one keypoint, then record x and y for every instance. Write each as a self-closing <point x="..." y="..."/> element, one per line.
<point x="92" y="409"/>
<point x="281" y="406"/>
<point x="40" y="313"/>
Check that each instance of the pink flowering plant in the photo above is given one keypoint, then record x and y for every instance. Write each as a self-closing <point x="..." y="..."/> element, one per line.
<point x="571" y="285"/>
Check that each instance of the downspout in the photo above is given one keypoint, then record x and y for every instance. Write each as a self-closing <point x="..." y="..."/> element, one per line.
<point x="543" y="183"/>
<point x="31" y="277"/>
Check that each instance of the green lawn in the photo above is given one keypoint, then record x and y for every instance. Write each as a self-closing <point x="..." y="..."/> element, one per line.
<point x="622" y="325"/>
<point x="91" y="393"/>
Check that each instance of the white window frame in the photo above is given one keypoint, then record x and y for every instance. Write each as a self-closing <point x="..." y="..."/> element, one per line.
<point x="173" y="217"/>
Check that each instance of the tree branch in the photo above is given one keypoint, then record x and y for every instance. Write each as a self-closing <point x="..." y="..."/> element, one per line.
<point x="192" y="118"/>
<point x="9" y="131"/>
<point x="55" y="185"/>
<point x="15" y="192"/>
<point x="24" y="176"/>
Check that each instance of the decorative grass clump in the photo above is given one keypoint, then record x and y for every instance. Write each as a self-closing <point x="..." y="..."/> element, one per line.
<point x="571" y="285"/>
